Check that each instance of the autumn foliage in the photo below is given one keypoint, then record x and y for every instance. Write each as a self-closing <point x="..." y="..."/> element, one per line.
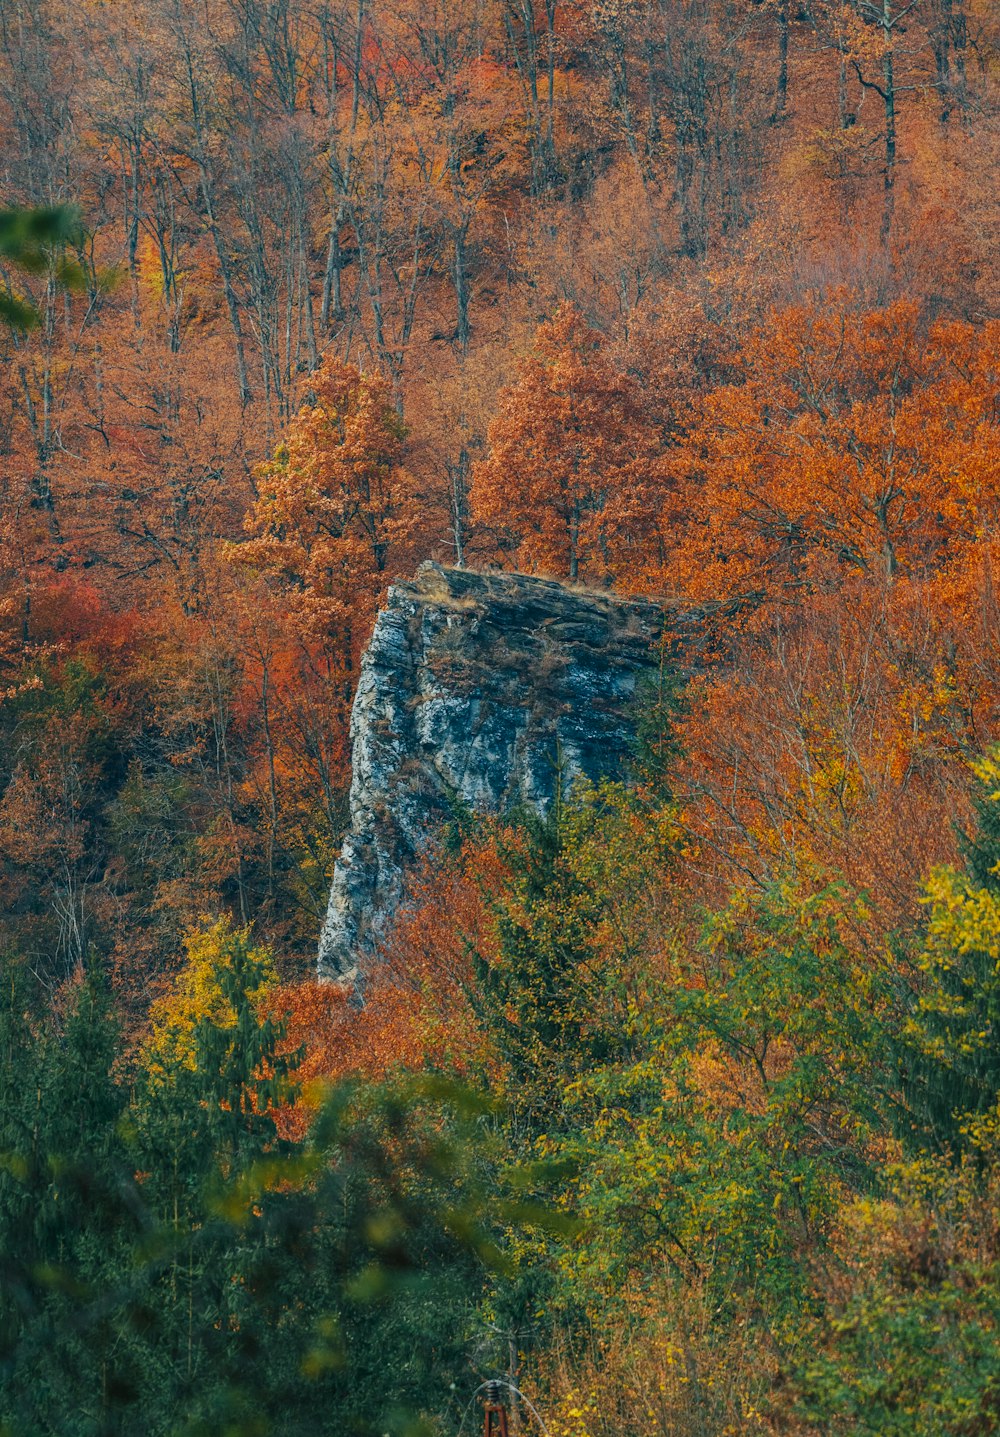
<point x="336" y="513"/>
<point x="575" y="483"/>
<point x="696" y="301"/>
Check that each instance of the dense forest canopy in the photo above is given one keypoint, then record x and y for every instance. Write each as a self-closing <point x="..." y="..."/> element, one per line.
<point x="680" y="1107"/>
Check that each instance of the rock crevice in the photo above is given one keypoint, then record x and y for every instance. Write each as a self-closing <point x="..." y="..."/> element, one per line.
<point x="488" y="689"/>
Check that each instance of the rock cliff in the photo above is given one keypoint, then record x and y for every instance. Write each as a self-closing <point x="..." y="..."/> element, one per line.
<point x="481" y="688"/>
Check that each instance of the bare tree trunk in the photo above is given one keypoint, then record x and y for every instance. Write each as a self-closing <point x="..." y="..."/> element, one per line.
<point x="781" y="88"/>
<point x="889" y="100"/>
<point x="208" y="199"/>
<point x="458" y="502"/>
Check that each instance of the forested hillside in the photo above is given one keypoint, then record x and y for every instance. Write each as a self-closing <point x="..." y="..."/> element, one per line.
<point x="678" y="1109"/>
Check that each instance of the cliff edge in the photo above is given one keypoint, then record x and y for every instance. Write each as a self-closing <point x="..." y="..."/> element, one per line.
<point x="481" y="688"/>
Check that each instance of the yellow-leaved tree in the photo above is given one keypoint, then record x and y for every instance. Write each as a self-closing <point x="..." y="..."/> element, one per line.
<point x="953" y="1076"/>
<point x="201" y="994"/>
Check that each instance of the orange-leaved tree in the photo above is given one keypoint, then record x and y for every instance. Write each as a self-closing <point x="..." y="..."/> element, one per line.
<point x="337" y="512"/>
<point x="337" y="515"/>
<point x="573" y="480"/>
<point x="855" y="444"/>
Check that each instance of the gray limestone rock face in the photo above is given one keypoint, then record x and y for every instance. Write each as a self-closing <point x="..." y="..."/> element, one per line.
<point x="488" y="689"/>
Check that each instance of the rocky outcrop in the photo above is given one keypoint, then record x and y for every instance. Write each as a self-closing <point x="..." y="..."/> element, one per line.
<point x="484" y="690"/>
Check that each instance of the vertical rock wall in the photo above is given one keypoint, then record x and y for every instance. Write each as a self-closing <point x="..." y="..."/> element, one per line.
<point x="476" y="687"/>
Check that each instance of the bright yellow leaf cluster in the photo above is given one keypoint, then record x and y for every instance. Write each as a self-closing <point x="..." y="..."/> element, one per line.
<point x="198" y="995"/>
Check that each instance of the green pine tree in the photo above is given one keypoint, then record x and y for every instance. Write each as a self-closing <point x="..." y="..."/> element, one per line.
<point x="69" y="1215"/>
